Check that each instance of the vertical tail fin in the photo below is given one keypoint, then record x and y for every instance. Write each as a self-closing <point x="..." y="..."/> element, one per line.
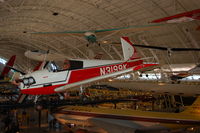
<point x="129" y="50"/>
<point x="6" y="68"/>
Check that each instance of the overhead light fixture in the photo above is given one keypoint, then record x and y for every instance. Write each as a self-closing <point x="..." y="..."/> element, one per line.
<point x="110" y="80"/>
<point x="105" y="42"/>
<point x="55" y="13"/>
<point x="161" y="83"/>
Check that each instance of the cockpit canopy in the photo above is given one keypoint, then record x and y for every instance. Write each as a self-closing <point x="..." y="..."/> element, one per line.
<point x="56" y="66"/>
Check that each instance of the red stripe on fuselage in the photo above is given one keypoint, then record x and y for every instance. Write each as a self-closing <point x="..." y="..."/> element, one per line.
<point x="83" y="74"/>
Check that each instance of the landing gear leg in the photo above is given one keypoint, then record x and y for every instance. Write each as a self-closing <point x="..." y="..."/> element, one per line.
<point x="60" y="96"/>
<point x="81" y="90"/>
<point x="36" y="98"/>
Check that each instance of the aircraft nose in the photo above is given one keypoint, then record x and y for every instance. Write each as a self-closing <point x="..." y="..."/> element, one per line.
<point x="27" y="81"/>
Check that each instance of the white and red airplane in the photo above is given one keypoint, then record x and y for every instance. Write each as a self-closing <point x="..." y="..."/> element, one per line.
<point x="51" y="79"/>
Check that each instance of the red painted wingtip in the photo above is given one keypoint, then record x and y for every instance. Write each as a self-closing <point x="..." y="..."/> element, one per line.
<point x="9" y="63"/>
<point x="185" y="14"/>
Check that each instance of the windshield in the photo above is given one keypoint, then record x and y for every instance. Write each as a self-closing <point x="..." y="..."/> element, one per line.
<point x="63" y="65"/>
<point x="51" y="66"/>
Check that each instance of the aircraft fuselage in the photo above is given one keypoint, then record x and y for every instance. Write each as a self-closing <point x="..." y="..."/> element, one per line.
<point x="48" y="81"/>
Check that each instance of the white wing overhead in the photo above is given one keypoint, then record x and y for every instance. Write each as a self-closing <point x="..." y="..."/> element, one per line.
<point x="43" y="55"/>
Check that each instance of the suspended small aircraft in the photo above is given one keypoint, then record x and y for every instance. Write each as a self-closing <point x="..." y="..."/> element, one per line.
<point x="182" y="17"/>
<point x="52" y="79"/>
<point x="129" y="120"/>
<point x="91" y="35"/>
<point x="4" y="75"/>
<point x="181" y="75"/>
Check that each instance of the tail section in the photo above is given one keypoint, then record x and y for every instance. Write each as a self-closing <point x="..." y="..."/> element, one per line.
<point x="6" y="68"/>
<point x="194" y="109"/>
<point x="129" y="51"/>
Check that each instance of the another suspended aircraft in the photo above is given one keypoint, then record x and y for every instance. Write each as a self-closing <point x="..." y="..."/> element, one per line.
<point x="91" y="35"/>
<point x="129" y="120"/>
<point x="181" y="17"/>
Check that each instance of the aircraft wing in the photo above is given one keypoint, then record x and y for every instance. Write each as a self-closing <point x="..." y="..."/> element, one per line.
<point x="76" y="84"/>
<point x="39" y="56"/>
<point x="182" y="17"/>
<point x="77" y="33"/>
<point x="105" y="121"/>
<point x="104" y="31"/>
<point x="128" y="29"/>
<point x="195" y="70"/>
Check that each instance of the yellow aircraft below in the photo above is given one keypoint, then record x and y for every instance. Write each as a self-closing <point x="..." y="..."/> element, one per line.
<point x="127" y="120"/>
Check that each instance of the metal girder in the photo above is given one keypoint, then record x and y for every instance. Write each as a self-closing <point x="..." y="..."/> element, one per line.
<point x="7" y="6"/>
<point x="85" y="20"/>
<point x="180" y="39"/>
<point x="64" y="42"/>
<point x="117" y="52"/>
<point x="152" y="52"/>
<point x="107" y="53"/>
<point x="193" y="42"/>
<point x="31" y="42"/>
<point x="95" y="5"/>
